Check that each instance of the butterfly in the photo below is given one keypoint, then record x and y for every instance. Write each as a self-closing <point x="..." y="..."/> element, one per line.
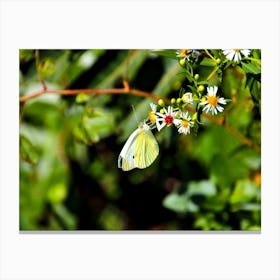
<point x="140" y="149"/>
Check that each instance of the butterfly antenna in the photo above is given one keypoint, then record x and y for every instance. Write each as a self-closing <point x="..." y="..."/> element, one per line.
<point x="137" y="121"/>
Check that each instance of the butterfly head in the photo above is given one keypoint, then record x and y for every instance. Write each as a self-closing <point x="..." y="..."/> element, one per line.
<point x="143" y="125"/>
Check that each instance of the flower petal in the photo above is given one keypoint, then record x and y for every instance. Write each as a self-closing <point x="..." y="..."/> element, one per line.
<point x="160" y="125"/>
<point x="220" y="108"/>
<point x="177" y="122"/>
<point x="221" y="100"/>
<point x="245" y="52"/>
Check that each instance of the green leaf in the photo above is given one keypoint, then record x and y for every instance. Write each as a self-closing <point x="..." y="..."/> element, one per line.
<point x="251" y="68"/>
<point x="208" y="62"/>
<point x="226" y="169"/>
<point x="256" y="53"/>
<point x="101" y="123"/>
<point x="213" y="79"/>
<point x="166" y="53"/>
<point x="96" y="124"/>
<point x="217" y="53"/>
<point x="26" y="55"/>
<point x="206" y="73"/>
<point x="244" y="191"/>
<point x="39" y="108"/>
<point x="80" y="134"/>
<point x="87" y="59"/>
<point x="216" y="203"/>
<point x="82" y="98"/>
<point x="246" y="206"/>
<point x="210" y="143"/>
<point x="208" y="221"/>
<point x="204" y="187"/>
<point x="47" y="67"/>
<point x="232" y="82"/>
<point x="256" y="92"/>
<point x="180" y="203"/>
<point x="253" y="82"/>
<point x="28" y="151"/>
<point x="250" y="158"/>
<point x="67" y="218"/>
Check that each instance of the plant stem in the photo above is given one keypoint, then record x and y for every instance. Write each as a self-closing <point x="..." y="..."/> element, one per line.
<point x="136" y="92"/>
<point x="91" y="91"/>
<point x="253" y="59"/>
<point x="37" y="67"/>
<point x="208" y="53"/>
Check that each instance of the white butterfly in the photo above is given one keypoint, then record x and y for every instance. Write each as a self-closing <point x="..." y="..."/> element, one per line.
<point x="140" y="149"/>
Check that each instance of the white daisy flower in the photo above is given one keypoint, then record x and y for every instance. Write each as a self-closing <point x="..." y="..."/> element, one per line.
<point x="212" y="101"/>
<point x="185" y="53"/>
<point x="187" y="98"/>
<point x="235" y="54"/>
<point x="184" y="125"/>
<point x="168" y="118"/>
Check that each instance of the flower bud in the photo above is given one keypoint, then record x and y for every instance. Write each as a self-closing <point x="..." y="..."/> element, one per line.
<point x="173" y="100"/>
<point x="178" y="100"/>
<point x="187" y="97"/>
<point x="194" y="116"/>
<point x="161" y="111"/>
<point x="200" y="88"/>
<point x="196" y="77"/>
<point x="161" y="102"/>
<point x="182" y="62"/>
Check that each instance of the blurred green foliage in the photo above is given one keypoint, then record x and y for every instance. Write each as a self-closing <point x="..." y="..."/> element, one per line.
<point x="69" y="145"/>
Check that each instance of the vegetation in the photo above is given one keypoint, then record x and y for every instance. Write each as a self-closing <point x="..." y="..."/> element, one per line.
<point x="76" y="114"/>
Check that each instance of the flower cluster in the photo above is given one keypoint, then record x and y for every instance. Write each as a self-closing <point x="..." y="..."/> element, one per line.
<point x="193" y="97"/>
<point x="169" y="116"/>
<point x="176" y="115"/>
<point x="186" y="55"/>
<point x="235" y="55"/>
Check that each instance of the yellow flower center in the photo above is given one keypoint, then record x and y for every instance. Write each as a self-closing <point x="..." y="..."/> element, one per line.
<point x="237" y="50"/>
<point x="184" y="53"/>
<point x="185" y="124"/>
<point x="212" y="100"/>
<point x="152" y="117"/>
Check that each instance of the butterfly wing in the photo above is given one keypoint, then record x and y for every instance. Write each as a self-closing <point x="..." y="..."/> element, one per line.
<point x="146" y="149"/>
<point x="126" y="157"/>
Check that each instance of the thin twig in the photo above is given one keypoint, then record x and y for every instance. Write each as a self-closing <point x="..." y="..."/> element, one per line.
<point x="231" y="130"/>
<point x="242" y="138"/>
<point x="127" y="64"/>
<point x="136" y="92"/>
<point x="125" y="90"/>
<point x="37" y="67"/>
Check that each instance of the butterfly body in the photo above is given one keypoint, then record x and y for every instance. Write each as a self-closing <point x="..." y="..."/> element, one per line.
<point x="140" y="149"/>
